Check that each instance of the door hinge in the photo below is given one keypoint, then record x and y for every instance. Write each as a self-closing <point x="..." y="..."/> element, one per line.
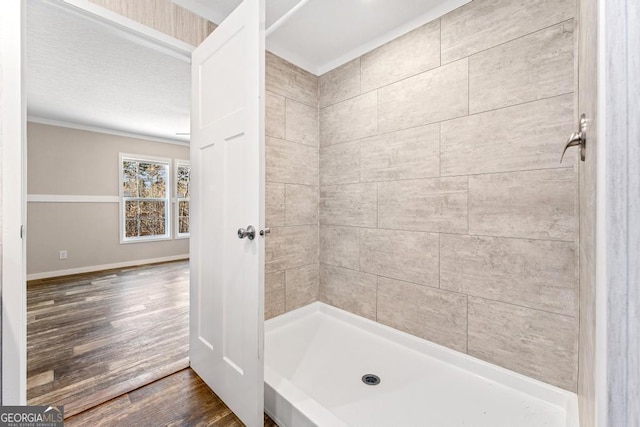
<point x="22" y="231"/>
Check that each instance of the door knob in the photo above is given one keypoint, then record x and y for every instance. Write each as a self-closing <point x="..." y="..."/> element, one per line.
<point x="249" y="233"/>
<point x="578" y="139"/>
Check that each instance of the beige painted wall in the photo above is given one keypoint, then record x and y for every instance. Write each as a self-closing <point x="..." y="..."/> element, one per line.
<point x="444" y="211"/>
<point x="291" y="278"/>
<point x="65" y="161"/>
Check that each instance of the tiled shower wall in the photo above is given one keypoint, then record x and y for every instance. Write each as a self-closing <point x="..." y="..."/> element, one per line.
<point x="291" y="278"/>
<point x="444" y="209"/>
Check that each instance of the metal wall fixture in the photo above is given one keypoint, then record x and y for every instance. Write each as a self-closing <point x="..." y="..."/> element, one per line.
<point x="578" y="139"/>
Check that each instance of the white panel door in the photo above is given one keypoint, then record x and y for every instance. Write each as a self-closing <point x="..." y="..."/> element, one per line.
<point x="227" y="161"/>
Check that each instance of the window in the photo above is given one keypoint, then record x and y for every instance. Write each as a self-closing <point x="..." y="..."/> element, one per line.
<point x="145" y="198"/>
<point x="183" y="188"/>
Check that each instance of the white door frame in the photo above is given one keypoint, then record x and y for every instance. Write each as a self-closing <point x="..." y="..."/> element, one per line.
<point x="13" y="199"/>
<point x="618" y="223"/>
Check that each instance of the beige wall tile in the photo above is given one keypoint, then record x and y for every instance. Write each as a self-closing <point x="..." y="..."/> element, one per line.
<point x="302" y="123"/>
<point x="433" y="96"/>
<point x="274" y="115"/>
<point x="290" y="81"/>
<point x="289" y="247"/>
<point x="407" y="154"/>
<point x="163" y="16"/>
<point x="538" y="274"/>
<point x="340" y="83"/>
<point x="291" y="162"/>
<point x="482" y="24"/>
<point x="537" y="66"/>
<point x="340" y="246"/>
<point x="274" y="294"/>
<point x="438" y="204"/>
<point x="534" y="343"/>
<point x="522" y="137"/>
<point x="349" y="120"/>
<point x="349" y="204"/>
<point x="404" y="255"/>
<point x="433" y="314"/>
<point x="533" y="204"/>
<point x="301" y="204"/>
<point x="302" y="286"/>
<point x="349" y="290"/>
<point x="274" y="204"/>
<point x="189" y="27"/>
<point x="408" y="55"/>
<point x="340" y="163"/>
<point x="589" y="173"/>
<point x="152" y="13"/>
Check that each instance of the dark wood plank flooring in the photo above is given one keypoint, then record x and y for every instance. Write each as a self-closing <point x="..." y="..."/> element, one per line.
<point x="93" y="337"/>
<point x="181" y="399"/>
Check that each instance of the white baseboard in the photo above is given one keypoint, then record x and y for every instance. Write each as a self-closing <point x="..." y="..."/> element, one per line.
<point x="92" y="268"/>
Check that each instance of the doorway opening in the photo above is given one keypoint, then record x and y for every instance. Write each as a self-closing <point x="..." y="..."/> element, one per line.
<point x="108" y="208"/>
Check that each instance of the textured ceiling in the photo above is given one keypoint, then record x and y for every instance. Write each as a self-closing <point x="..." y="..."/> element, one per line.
<point x="82" y="72"/>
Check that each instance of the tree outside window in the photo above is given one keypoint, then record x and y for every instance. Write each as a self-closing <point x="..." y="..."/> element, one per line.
<point x="183" y="188"/>
<point x="145" y="199"/>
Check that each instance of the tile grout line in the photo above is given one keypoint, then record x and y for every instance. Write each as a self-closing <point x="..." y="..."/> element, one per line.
<point x="286" y="223"/>
<point x="440" y="20"/>
<point x="285" y="290"/>
<point x="468" y="205"/>
<point x="319" y="209"/>
<point x="467" y="301"/>
<point x="318" y="182"/>
<point x="567" y="316"/>
<point x="451" y="233"/>
<point x="440" y="260"/>
<point x="468" y="86"/>
<point x="546" y="98"/>
<point x="377" y="207"/>
<point x="442" y="177"/>
<point x="377" y="285"/>
<point x="513" y="39"/>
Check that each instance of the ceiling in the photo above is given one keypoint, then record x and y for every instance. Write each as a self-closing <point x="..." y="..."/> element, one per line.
<point x="319" y="35"/>
<point x="86" y="73"/>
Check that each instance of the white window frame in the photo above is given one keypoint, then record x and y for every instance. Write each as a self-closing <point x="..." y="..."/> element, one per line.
<point x="168" y="199"/>
<point x="176" y="222"/>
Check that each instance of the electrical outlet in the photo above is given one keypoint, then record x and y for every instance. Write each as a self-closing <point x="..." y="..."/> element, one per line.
<point x="63" y="254"/>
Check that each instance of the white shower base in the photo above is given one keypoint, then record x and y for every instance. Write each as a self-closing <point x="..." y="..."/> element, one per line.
<point x="315" y="357"/>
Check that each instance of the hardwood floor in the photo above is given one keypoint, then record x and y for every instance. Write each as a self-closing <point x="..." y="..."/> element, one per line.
<point x="181" y="399"/>
<point x="95" y="336"/>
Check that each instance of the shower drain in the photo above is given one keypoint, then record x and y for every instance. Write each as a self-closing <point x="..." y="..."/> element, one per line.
<point x="370" y="379"/>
